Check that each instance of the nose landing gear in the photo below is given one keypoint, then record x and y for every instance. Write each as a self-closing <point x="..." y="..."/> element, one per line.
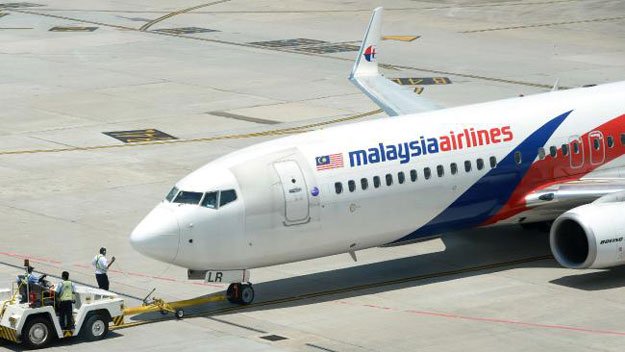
<point x="240" y="293"/>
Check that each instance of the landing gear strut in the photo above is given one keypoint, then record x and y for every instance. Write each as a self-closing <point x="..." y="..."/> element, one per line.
<point x="240" y="293"/>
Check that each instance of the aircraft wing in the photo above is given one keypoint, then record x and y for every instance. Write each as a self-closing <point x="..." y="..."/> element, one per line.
<point x="579" y="192"/>
<point x="391" y="97"/>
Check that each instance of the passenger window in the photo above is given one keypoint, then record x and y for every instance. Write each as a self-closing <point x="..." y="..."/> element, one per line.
<point x="622" y="138"/>
<point x="401" y="177"/>
<point x="338" y="187"/>
<point x="610" y="141"/>
<point x="467" y="165"/>
<point x="596" y="144"/>
<point x="171" y="194"/>
<point x="389" y="179"/>
<point x="440" y="170"/>
<point x="376" y="181"/>
<point x="541" y="153"/>
<point x="493" y="162"/>
<point x="565" y="149"/>
<point x="226" y="197"/>
<point x="454" y="168"/>
<point x="210" y="200"/>
<point x="364" y="183"/>
<point x="553" y="151"/>
<point x="188" y="197"/>
<point x="517" y="157"/>
<point x="351" y="185"/>
<point x="413" y="175"/>
<point x="427" y="173"/>
<point x="575" y="147"/>
<point x="479" y="163"/>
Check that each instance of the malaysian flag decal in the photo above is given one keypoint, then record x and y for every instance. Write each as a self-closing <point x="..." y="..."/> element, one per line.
<point x="332" y="161"/>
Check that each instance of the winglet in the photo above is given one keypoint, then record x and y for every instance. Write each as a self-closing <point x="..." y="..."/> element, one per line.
<point x="367" y="61"/>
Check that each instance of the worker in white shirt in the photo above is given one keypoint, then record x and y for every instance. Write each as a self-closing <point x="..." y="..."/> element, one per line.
<point x="102" y="266"/>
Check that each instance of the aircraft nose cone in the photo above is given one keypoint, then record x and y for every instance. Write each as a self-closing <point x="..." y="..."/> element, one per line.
<point x="157" y="235"/>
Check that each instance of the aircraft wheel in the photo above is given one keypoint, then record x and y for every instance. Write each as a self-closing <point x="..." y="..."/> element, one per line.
<point x="179" y="314"/>
<point x="247" y="294"/>
<point x="233" y="293"/>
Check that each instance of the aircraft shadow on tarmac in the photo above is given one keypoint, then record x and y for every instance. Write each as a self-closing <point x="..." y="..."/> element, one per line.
<point x="594" y="281"/>
<point x="466" y="252"/>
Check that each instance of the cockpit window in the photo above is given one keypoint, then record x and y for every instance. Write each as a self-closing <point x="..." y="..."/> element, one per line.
<point x="172" y="194"/>
<point x="227" y="197"/>
<point x="210" y="200"/>
<point x="188" y="197"/>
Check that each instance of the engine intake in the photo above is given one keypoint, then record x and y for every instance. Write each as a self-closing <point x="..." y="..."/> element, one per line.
<point x="590" y="236"/>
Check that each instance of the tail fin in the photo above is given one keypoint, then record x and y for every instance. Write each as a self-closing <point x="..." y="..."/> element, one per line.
<point x="367" y="63"/>
<point x="392" y="98"/>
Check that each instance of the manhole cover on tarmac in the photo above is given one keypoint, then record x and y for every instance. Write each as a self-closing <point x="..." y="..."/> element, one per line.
<point x="185" y="30"/>
<point x="137" y="136"/>
<point x="287" y="43"/>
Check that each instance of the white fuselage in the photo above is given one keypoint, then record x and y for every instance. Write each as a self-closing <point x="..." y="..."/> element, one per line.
<point x="287" y="207"/>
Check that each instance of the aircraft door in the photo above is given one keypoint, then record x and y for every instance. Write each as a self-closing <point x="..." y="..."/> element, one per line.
<point x="295" y="195"/>
<point x="596" y="145"/>
<point x="576" y="151"/>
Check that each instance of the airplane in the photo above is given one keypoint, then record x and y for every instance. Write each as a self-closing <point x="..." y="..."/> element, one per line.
<point x="554" y="158"/>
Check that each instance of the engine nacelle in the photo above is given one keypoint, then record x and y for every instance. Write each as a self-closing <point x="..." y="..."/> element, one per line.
<point x="590" y="236"/>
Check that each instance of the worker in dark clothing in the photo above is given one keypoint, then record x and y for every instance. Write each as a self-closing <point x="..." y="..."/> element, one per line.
<point x="101" y="268"/>
<point x="65" y="292"/>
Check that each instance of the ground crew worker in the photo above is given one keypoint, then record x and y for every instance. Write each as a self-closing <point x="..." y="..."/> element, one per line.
<point x="31" y="278"/>
<point x="65" y="292"/>
<point x="101" y="268"/>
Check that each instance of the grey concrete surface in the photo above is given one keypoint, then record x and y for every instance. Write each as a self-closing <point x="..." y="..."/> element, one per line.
<point x="61" y="90"/>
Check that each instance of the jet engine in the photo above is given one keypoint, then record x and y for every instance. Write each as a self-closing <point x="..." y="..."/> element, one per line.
<point x="590" y="236"/>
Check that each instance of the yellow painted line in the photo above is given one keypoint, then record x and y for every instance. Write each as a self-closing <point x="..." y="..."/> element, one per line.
<point x="402" y="38"/>
<point x="146" y="26"/>
<point x="545" y="24"/>
<point x="275" y="132"/>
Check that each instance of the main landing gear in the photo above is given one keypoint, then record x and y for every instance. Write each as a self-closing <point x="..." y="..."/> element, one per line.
<point x="240" y="293"/>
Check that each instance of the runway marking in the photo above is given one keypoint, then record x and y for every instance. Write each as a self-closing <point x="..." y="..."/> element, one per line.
<point x="606" y="19"/>
<point x="146" y="26"/>
<point x="275" y="132"/>
<point x="420" y="81"/>
<point x="59" y="264"/>
<point x="320" y="347"/>
<point x="225" y="42"/>
<point x="72" y="29"/>
<point x="242" y="117"/>
<point x="490" y="320"/>
<point x="401" y="38"/>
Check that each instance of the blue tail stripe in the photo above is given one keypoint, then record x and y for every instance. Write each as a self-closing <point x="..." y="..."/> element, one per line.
<point x="491" y="192"/>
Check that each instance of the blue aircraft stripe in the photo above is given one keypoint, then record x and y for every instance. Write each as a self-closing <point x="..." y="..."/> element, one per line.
<point x="491" y="192"/>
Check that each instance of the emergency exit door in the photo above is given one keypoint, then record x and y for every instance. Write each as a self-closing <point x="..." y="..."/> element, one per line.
<point x="295" y="195"/>
<point x="597" y="147"/>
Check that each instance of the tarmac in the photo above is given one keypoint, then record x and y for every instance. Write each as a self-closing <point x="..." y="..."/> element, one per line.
<point x="194" y="81"/>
